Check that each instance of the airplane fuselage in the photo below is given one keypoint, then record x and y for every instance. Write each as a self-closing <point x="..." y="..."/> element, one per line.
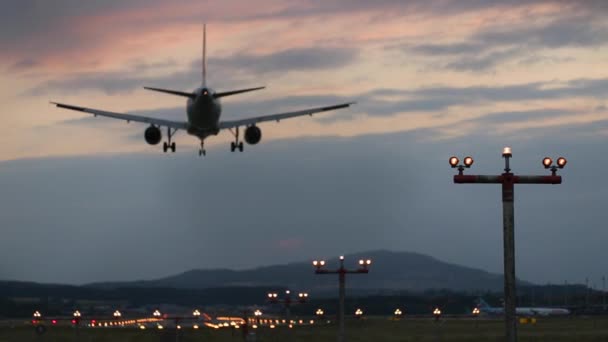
<point x="204" y="113"/>
<point x="528" y="311"/>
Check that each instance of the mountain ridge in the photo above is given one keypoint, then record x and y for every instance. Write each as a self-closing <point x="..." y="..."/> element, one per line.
<point x="390" y="271"/>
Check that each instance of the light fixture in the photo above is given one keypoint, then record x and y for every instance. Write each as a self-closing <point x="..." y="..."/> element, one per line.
<point x="547" y="162"/>
<point x="468" y="161"/>
<point x="506" y="152"/>
<point x="561" y="162"/>
<point x="454" y="161"/>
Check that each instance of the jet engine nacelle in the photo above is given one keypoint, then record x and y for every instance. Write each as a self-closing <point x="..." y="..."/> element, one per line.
<point x="153" y="135"/>
<point x="253" y="135"/>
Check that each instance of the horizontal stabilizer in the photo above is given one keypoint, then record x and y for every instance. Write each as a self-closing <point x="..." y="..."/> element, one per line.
<point x="173" y="92"/>
<point x="234" y="92"/>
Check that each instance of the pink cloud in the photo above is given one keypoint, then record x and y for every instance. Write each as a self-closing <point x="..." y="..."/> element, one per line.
<point x="290" y="243"/>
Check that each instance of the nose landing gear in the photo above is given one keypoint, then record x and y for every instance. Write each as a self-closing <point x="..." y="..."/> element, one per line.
<point x="201" y="151"/>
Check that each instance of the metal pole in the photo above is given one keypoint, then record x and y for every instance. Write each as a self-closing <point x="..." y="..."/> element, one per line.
<point x="587" y="293"/>
<point x="565" y="293"/>
<point x="342" y="294"/>
<point x="604" y="292"/>
<point x="509" y="254"/>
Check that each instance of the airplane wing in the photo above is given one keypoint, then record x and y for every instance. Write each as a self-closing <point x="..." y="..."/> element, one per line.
<point x="280" y="116"/>
<point x="126" y="117"/>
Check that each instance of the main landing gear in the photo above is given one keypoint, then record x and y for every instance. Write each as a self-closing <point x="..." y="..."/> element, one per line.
<point x="169" y="145"/>
<point x="236" y="144"/>
<point x="201" y="151"/>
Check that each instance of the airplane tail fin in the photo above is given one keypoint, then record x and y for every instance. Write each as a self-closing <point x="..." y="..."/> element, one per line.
<point x="204" y="60"/>
<point x="482" y="304"/>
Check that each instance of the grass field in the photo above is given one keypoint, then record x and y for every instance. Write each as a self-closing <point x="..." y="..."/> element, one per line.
<point x="374" y="329"/>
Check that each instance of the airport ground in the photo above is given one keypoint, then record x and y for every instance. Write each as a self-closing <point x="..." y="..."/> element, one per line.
<point x="370" y="329"/>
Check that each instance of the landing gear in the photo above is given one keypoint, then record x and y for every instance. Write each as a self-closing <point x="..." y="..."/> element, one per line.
<point x="169" y="145"/>
<point x="236" y="144"/>
<point x="201" y="151"/>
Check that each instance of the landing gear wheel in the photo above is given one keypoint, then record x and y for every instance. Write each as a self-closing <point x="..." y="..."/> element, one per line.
<point x="240" y="146"/>
<point x="165" y="147"/>
<point x="202" y="153"/>
<point x="232" y="146"/>
<point x="173" y="147"/>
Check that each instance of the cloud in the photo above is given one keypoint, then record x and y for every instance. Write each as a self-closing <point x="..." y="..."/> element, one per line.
<point x="297" y="59"/>
<point x="233" y="70"/>
<point x="484" y="62"/>
<point x="491" y="46"/>
<point x="23" y="65"/>
<point x="387" y="102"/>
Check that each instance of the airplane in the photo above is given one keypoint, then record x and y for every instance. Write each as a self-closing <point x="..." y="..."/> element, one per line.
<point x="203" y="109"/>
<point x="484" y="307"/>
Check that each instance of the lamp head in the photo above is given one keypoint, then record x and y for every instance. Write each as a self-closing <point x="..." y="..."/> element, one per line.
<point x="454" y="161"/>
<point x="506" y="152"/>
<point x="468" y="161"/>
<point x="561" y="162"/>
<point x="547" y="162"/>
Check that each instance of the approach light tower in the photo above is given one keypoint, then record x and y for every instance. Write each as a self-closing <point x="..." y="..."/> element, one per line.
<point x="342" y="272"/>
<point x="508" y="181"/>
<point x="273" y="297"/>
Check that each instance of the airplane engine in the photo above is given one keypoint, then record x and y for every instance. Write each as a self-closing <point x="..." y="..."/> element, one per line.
<point x="253" y="135"/>
<point x="153" y="135"/>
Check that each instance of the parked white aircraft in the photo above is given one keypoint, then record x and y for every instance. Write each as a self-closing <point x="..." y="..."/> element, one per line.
<point x="484" y="307"/>
<point x="204" y="110"/>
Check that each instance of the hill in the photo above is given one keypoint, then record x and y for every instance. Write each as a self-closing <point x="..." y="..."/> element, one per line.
<point x="390" y="271"/>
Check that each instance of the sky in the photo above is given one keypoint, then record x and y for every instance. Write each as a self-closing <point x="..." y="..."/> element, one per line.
<point x="86" y="199"/>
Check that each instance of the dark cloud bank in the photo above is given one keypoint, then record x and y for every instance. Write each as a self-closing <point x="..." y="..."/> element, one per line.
<point x="128" y="217"/>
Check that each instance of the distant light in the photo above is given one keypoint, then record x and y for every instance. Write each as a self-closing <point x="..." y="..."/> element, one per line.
<point x="142" y="327"/>
<point x="561" y="162"/>
<point x="547" y="162"/>
<point x="160" y="327"/>
<point x="179" y="327"/>
<point x="341" y="257"/>
<point x="506" y="152"/>
<point x="54" y="321"/>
